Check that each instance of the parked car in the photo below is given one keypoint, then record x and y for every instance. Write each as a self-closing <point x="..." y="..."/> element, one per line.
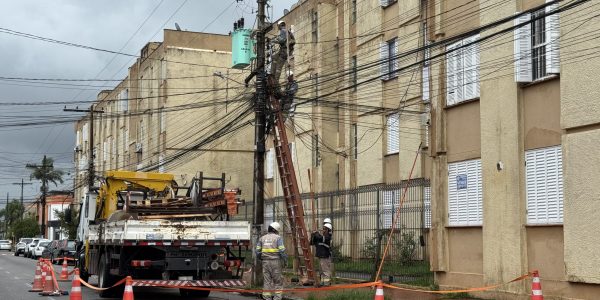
<point x="29" y="247"/>
<point x="66" y="248"/>
<point x="21" y="245"/>
<point x="39" y="248"/>
<point x="5" y="245"/>
<point x="48" y="253"/>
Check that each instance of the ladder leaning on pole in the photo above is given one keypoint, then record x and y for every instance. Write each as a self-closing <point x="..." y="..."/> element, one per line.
<point x="291" y="193"/>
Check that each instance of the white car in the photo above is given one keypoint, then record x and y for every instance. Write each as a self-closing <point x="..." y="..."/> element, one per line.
<point x="30" y="246"/>
<point x="5" y="245"/>
<point x="39" y="248"/>
<point x="21" y="245"/>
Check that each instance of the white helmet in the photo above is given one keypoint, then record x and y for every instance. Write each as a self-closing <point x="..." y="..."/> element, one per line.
<point x="327" y="221"/>
<point x="275" y="226"/>
<point x="281" y="22"/>
<point x="327" y="225"/>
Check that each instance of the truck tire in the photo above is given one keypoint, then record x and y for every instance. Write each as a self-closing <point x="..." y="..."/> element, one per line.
<point x="193" y="293"/>
<point x="105" y="279"/>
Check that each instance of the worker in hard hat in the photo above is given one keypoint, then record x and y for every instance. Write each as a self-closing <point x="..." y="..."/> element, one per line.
<point x="271" y="251"/>
<point x="322" y="242"/>
<point x="286" y="41"/>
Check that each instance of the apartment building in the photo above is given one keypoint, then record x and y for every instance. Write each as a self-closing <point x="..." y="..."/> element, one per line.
<point x="514" y="118"/>
<point x="359" y="120"/>
<point x="162" y="116"/>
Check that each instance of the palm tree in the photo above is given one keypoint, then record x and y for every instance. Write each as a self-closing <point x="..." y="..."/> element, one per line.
<point x="45" y="173"/>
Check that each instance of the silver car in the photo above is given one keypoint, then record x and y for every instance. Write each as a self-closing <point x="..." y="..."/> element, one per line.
<point x="30" y="246"/>
<point x="5" y="245"/>
<point x="22" y="245"/>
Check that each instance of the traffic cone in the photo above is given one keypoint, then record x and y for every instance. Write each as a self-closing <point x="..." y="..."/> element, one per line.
<point x="44" y="272"/>
<point x="64" y="273"/>
<point x="38" y="286"/>
<point x="128" y="294"/>
<point x="75" y="287"/>
<point x="536" y="287"/>
<point x="49" y="287"/>
<point x="379" y="292"/>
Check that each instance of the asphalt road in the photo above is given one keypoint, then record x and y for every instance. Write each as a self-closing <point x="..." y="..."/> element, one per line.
<point x="16" y="276"/>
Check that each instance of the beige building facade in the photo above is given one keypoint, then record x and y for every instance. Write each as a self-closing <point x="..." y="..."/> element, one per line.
<point x="163" y="116"/>
<point x="512" y="128"/>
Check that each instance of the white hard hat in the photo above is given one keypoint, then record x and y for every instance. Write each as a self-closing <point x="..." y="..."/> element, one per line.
<point x="327" y="225"/>
<point x="281" y="22"/>
<point x="275" y="226"/>
<point x="327" y="220"/>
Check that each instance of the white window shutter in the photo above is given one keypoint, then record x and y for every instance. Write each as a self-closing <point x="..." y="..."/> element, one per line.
<point x="465" y="199"/>
<point x="384" y="3"/>
<point x="270" y="164"/>
<point x="394" y="57"/>
<point x="471" y="68"/>
<point x="427" y="206"/>
<point x="393" y="134"/>
<point x="388" y="208"/>
<point x="384" y="55"/>
<point x="454" y="74"/>
<point x="523" y="71"/>
<point x="161" y="163"/>
<point x="425" y="83"/>
<point x="552" y="39"/>
<point x="544" y="185"/>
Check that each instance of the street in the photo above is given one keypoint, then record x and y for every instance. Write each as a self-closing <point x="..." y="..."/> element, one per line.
<point x="16" y="275"/>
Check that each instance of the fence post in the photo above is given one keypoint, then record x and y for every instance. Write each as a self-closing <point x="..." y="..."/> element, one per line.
<point x="377" y="236"/>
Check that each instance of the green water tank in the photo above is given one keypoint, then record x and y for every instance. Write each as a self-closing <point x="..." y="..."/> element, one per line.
<point x="242" y="48"/>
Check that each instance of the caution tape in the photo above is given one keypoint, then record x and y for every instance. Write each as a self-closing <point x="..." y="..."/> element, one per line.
<point x="476" y="289"/>
<point x="99" y="288"/>
<point x="228" y="290"/>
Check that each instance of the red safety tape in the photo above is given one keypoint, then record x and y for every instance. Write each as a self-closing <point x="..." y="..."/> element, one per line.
<point x="101" y="289"/>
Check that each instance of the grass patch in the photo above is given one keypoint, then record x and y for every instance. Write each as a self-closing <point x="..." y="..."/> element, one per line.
<point x="348" y="295"/>
<point x="459" y="296"/>
<point x="392" y="268"/>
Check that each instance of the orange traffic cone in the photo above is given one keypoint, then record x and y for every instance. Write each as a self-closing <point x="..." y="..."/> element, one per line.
<point x="128" y="294"/>
<point x="38" y="286"/>
<point x="75" y="287"/>
<point x="44" y="273"/>
<point x="536" y="287"/>
<point x="49" y="287"/>
<point x="64" y="273"/>
<point x="379" y="292"/>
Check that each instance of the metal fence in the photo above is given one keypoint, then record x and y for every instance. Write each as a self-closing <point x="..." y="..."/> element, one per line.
<point x="362" y="219"/>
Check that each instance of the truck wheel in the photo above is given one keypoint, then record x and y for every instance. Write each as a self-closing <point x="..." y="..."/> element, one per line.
<point x="193" y="293"/>
<point x="105" y="279"/>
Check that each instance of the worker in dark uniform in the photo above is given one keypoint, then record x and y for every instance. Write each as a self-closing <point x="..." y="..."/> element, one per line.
<point x="322" y="242"/>
<point x="271" y="251"/>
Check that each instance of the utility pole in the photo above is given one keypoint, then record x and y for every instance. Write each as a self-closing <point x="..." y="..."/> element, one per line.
<point x="91" y="170"/>
<point x="6" y="218"/>
<point x="22" y="183"/>
<point x="259" y="135"/>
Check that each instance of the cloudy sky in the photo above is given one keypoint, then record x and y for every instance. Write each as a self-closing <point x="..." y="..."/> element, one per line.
<point x="119" y="25"/>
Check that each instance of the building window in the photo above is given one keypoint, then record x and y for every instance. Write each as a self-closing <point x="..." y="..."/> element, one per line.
<point x="393" y="133"/>
<point x="391" y="201"/>
<point x="270" y="164"/>
<point x="389" y="59"/>
<point x="316" y="155"/>
<point x="104" y="151"/>
<point x="537" y="52"/>
<point x="124" y="100"/>
<point x="353" y="73"/>
<point x="386" y="3"/>
<point x="354" y="136"/>
<point x="544" y="183"/>
<point x="163" y="71"/>
<point x="314" y="26"/>
<point x="426" y="65"/>
<point x="462" y="70"/>
<point x="162" y="119"/>
<point x="465" y="193"/>
<point x="353" y="12"/>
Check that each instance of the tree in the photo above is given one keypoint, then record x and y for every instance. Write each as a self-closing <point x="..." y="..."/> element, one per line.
<point x="28" y="227"/>
<point x="45" y="173"/>
<point x="10" y="214"/>
<point x="68" y="221"/>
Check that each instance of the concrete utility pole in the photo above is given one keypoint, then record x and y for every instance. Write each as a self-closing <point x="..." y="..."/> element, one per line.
<point x="91" y="170"/>
<point x="6" y="217"/>
<point x="259" y="135"/>
<point x="22" y="183"/>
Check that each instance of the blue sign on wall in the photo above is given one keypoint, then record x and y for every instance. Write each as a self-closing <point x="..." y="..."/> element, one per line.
<point x="461" y="182"/>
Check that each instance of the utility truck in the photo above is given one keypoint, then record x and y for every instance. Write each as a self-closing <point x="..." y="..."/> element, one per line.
<point x="138" y="225"/>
